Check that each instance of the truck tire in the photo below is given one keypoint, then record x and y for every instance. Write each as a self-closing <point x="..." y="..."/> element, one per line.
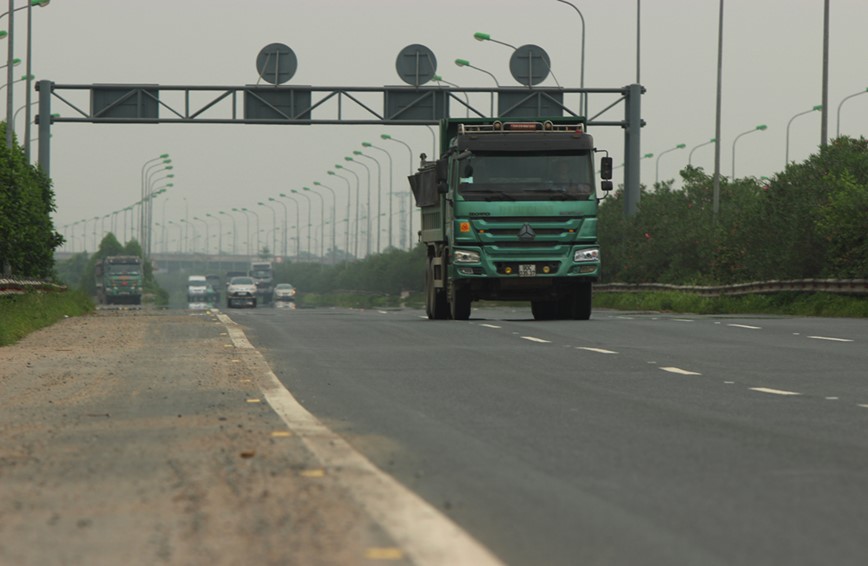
<point x="435" y="299"/>
<point x="582" y="295"/>
<point x="544" y="310"/>
<point x="459" y="306"/>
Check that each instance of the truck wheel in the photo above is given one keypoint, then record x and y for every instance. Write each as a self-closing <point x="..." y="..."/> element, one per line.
<point x="459" y="306"/>
<point x="582" y="302"/>
<point x="544" y="310"/>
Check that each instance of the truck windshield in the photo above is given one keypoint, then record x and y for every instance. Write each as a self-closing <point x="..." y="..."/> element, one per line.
<point x="527" y="176"/>
<point x="123" y="268"/>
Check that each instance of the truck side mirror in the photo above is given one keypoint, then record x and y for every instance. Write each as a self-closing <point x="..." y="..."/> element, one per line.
<point x="442" y="169"/>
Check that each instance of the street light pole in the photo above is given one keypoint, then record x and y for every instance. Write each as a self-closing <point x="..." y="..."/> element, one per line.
<point x="297" y="225"/>
<point x="391" y="193"/>
<point x="334" y="218"/>
<point x="321" y="220"/>
<point x="368" y="205"/>
<point x="256" y="216"/>
<point x="661" y="154"/>
<point x="358" y="218"/>
<point x="814" y="109"/>
<point x="479" y="36"/>
<point x="584" y="103"/>
<point x="690" y="155"/>
<point x="246" y="228"/>
<point x="285" y="223"/>
<point x="760" y="128"/>
<point x="349" y="192"/>
<point x="410" y="150"/>
<point x="466" y="63"/>
<point x="309" y="222"/>
<point x="273" y="227"/>
<point x="838" y="130"/>
<point x="379" y="192"/>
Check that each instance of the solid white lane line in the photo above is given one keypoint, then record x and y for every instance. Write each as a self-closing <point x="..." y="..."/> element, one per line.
<point x="679" y="371"/>
<point x="773" y="391"/>
<point x="831" y="339"/>
<point x="540" y="340"/>
<point x="426" y="535"/>
<point x="490" y="326"/>
<point x="745" y="326"/>
<point x="597" y="350"/>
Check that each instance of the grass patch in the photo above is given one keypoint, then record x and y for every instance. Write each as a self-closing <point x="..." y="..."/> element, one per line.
<point x="22" y="314"/>
<point x="793" y="304"/>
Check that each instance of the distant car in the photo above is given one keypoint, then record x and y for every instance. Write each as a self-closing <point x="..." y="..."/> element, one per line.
<point x="284" y="292"/>
<point x="241" y="291"/>
<point x="198" y="290"/>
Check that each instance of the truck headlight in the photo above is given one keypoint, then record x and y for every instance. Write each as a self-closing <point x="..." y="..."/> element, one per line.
<point x="466" y="256"/>
<point x="589" y="254"/>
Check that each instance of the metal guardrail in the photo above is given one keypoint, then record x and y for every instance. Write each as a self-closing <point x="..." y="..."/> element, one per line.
<point x="839" y="286"/>
<point x="9" y="286"/>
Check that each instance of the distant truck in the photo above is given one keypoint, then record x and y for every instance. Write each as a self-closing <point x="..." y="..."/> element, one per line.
<point x="119" y="280"/>
<point x="263" y="276"/>
<point x="200" y="293"/>
<point x="509" y="213"/>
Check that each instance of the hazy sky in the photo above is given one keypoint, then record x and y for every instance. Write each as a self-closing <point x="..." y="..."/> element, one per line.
<point x="772" y="71"/>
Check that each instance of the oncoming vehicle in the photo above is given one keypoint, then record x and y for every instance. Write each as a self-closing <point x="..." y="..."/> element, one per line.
<point x="119" y="279"/>
<point x="284" y="295"/>
<point x="241" y="291"/>
<point x="200" y="293"/>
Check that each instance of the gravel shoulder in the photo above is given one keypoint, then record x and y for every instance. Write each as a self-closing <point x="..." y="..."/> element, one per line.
<point x="140" y="437"/>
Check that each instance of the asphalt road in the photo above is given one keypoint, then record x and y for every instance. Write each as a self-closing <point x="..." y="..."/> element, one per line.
<point x="627" y="439"/>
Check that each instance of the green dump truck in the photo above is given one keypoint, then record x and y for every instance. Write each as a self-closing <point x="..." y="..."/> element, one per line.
<point x="119" y="280"/>
<point x="509" y="213"/>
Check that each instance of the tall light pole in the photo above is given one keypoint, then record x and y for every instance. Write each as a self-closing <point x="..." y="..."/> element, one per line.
<point x="234" y="232"/>
<point x="285" y="214"/>
<point x="838" y="130"/>
<point x="219" y="231"/>
<point x="824" y="119"/>
<point x="334" y="218"/>
<point x="309" y="221"/>
<point x="715" y="198"/>
<point x="146" y="166"/>
<point x="29" y="57"/>
<point x="368" y="199"/>
<point x="379" y="192"/>
<point x="273" y="227"/>
<point x="246" y="227"/>
<point x="582" y="76"/>
<point x="256" y="216"/>
<point x="387" y="137"/>
<point x="321" y="220"/>
<point x="349" y="192"/>
<point x="207" y="247"/>
<point x="466" y="63"/>
<point x="391" y="193"/>
<point x="661" y="154"/>
<point x="690" y="155"/>
<point x="297" y="225"/>
<point x="759" y="128"/>
<point x="814" y="109"/>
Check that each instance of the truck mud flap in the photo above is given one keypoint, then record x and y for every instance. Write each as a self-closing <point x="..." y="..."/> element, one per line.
<point x="437" y="266"/>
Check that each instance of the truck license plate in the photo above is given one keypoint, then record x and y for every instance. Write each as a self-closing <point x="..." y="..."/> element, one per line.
<point x="526" y="270"/>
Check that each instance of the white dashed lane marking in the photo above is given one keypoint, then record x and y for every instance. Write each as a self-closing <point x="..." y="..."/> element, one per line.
<point x="679" y="371"/>
<point x="540" y="340"/>
<point x="597" y="350"/>
<point x="773" y="391"/>
<point x="745" y="326"/>
<point x="830" y="339"/>
<point x="490" y="326"/>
